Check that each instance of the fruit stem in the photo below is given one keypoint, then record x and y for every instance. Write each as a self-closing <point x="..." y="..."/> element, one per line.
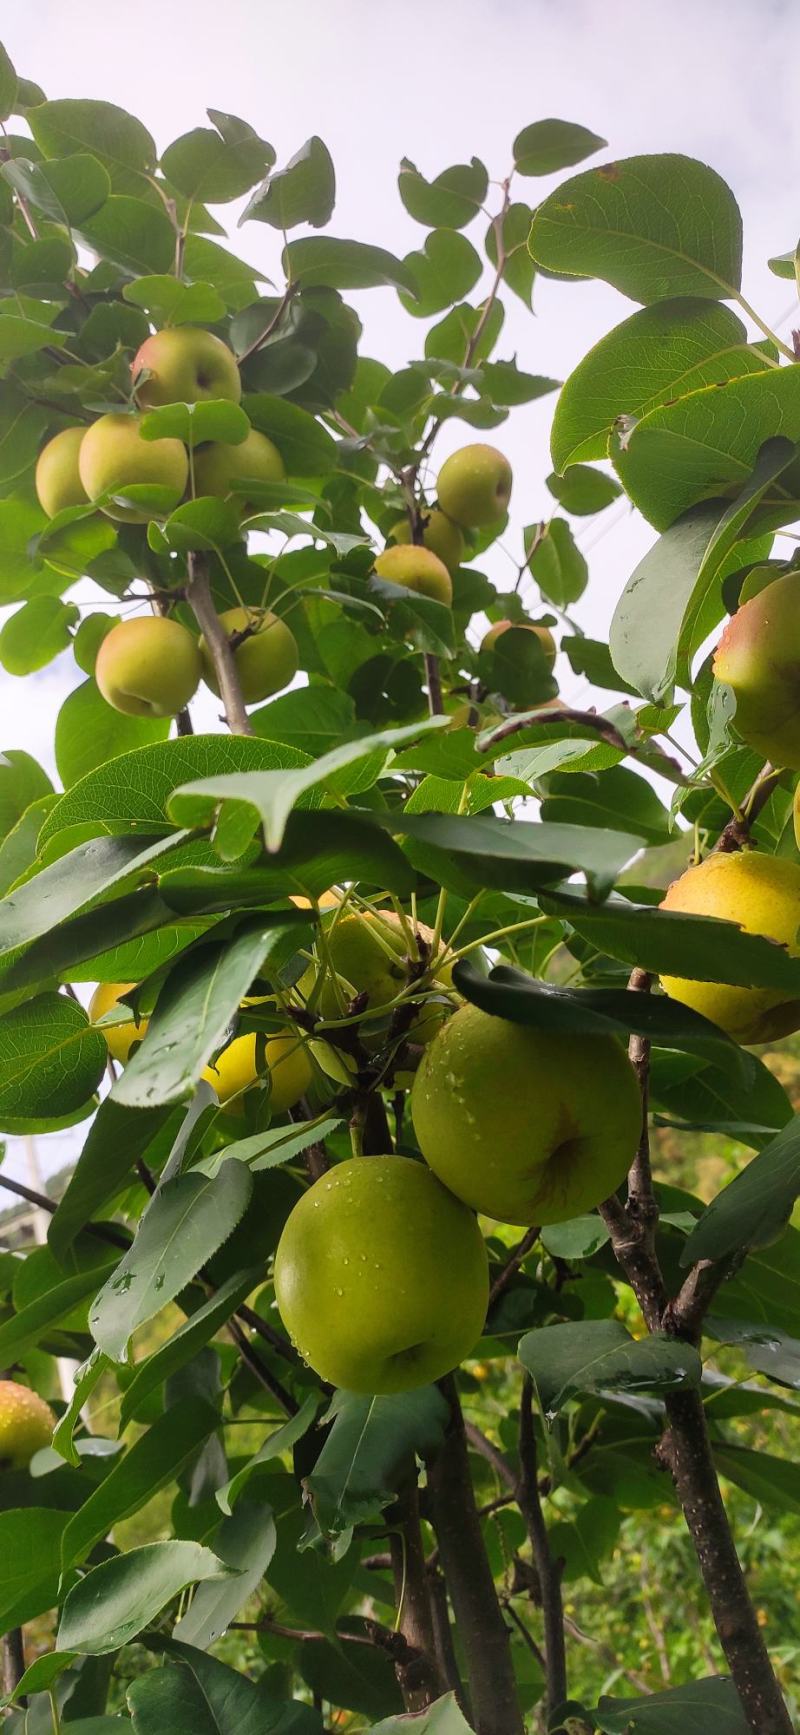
<point x="549" y="1571"/>
<point x="200" y="600"/>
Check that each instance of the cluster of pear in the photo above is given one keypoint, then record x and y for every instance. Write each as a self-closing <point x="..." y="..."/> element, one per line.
<point x="473" y="490"/>
<point x="515" y="1124"/>
<point x="151" y="666"/>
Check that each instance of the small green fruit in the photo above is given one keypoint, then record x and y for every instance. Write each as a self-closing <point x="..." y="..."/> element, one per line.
<point x="58" y="478"/>
<point x="418" y="569"/>
<point x="185" y="365"/>
<point x="474" y="486"/>
<point x="114" y="458"/>
<point x="440" y="535"/>
<point x="148" y="667"/>
<point x="265" y="661"/>
<point x="525" y="1125"/>
<point x="381" y="1276"/>
<point x="217" y="466"/>
<point x="543" y="634"/>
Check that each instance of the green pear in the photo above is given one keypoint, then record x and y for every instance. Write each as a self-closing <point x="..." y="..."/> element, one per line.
<point x="266" y="660"/>
<point x="418" y="569"/>
<point x="440" y="535"/>
<point x="58" y="478"/>
<point x="381" y="1276"/>
<point x="759" y="657"/>
<point x="26" y="1424"/>
<point x="761" y="893"/>
<point x="148" y="667"/>
<point x="184" y="365"/>
<point x="218" y="466"/>
<point x="543" y="634"/>
<point x="114" y="458"/>
<point x="370" y="955"/>
<point x="474" y="486"/>
<point x="527" y="1126"/>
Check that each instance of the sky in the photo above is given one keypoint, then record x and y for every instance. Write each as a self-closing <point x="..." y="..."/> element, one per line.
<point x="439" y="81"/>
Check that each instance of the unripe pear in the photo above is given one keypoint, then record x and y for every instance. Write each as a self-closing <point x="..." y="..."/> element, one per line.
<point x="474" y="486"/>
<point x="186" y="364"/>
<point x="381" y="1276"/>
<point x="114" y="457"/>
<point x="759" y="657"/>
<point x="119" y="1038"/>
<point x="26" y="1424"/>
<point x="370" y="953"/>
<point x="525" y="1125"/>
<point x="148" y="667"/>
<point x="418" y="569"/>
<point x="266" y="660"/>
<point x="440" y="535"/>
<point x="543" y="634"/>
<point x="218" y="465"/>
<point x="762" y="894"/>
<point x="58" y="479"/>
<point x="236" y="1070"/>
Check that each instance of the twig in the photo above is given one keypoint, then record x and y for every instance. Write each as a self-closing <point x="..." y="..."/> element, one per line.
<point x="443" y="1639"/>
<point x="565" y="714"/>
<point x="290" y="290"/>
<point x="434" y="683"/>
<point x="515" y="1259"/>
<point x="419" y="1678"/>
<point x="200" y="600"/>
<point x="260" y="1372"/>
<point x="13" y="1661"/>
<point x="114" y="1238"/>
<point x="737" y="831"/>
<point x="493" y="1455"/>
<point x="547" y="1568"/>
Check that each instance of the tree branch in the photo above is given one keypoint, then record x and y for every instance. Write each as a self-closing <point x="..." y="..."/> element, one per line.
<point x="419" y="1676"/>
<point x="737" y="831"/>
<point x="13" y="1660"/>
<point x="200" y="600"/>
<point x="515" y="1259"/>
<point x="479" y="1618"/>
<point x="548" y="1570"/>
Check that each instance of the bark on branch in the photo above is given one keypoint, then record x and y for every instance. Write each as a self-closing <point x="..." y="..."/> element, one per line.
<point x="548" y="1570"/>
<point x="201" y="602"/>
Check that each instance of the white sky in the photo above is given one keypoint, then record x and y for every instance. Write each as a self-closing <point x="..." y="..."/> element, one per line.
<point x="439" y="81"/>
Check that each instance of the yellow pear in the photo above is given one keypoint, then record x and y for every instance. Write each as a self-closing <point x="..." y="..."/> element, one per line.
<point x="185" y="364"/>
<point x="58" y="478"/>
<point x="26" y="1424"/>
<point x="440" y="535"/>
<point x="236" y="1070"/>
<point x="417" y="569"/>
<point x="474" y="485"/>
<point x="762" y="894"/>
<point x="266" y="660"/>
<point x="119" y="1038"/>
<point x="148" y="667"/>
<point x="114" y="458"/>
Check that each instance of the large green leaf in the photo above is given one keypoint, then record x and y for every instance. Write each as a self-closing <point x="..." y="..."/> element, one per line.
<point x="108" y="1607"/>
<point x="139" y="238"/>
<point x="198" y="1695"/>
<point x="507" y="856"/>
<point x="373" y="1442"/>
<point x="30" y="1560"/>
<point x="72" y="882"/>
<point x="706" y="445"/>
<point x="186" y="1221"/>
<point x="151" y="1462"/>
<point x="22" y="781"/>
<point x="307" y="449"/>
<point x="449" y="201"/>
<point x="246" y="1543"/>
<point x="654" y="227"/>
<point x="660" y="352"/>
<point x="444" y="271"/>
<point x="441" y="1718"/>
<point x="280" y="1440"/>
<point x="184" y="1343"/>
<point x="333" y="264"/>
<point x="66" y="190"/>
<point x="51" y="1061"/>
<point x="35" y="1321"/>
<point x="36" y="634"/>
<point x="102" y="130"/>
<point x="204" y="165"/>
<point x="764" y="1346"/>
<point x="89" y="733"/>
<point x="116" y="1139"/>
<point x="755" y="1206"/>
<point x="556" y="562"/>
<point x="303" y="192"/>
<point x="549" y="145"/>
<point x="709" y="1707"/>
<point x="598" y="1355"/>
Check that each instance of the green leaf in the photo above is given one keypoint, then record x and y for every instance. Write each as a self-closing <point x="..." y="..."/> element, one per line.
<point x="121" y="143"/>
<point x="183" y="1344"/>
<point x="280" y="1440"/>
<point x="134" y="790"/>
<point x="30" y="1324"/>
<point x="150" y="1462"/>
<point x="556" y="562"/>
<point x="511" y="993"/>
<point x="458" y="335"/>
<point x="20" y="521"/>
<point x="315" y="1596"/>
<point x="451" y="200"/>
<point x="206" y="523"/>
<point x="185" y="1222"/>
<point x="36" y="634"/>
<point x="516" y="666"/>
<point x="443" y="1717"/>
<point x="213" y="419"/>
<point x="615" y="796"/>
<point x="303" y="192"/>
<point x="582" y="490"/>
<point x="22" y="782"/>
<point x="51" y="1061"/>
<point x="372" y="1444"/>
<point x="64" y="191"/>
<point x="315" y="719"/>
<point x="755" y="1206"/>
<point x="89" y="733"/>
<point x="583" y="1542"/>
<point x="72" y="882"/>
<point x="22" y="424"/>
<point x="196" y="1007"/>
<point x="708" y="1707"/>
<point x="246" y="1543"/>
<point x="707" y="445"/>
<point x="657" y="354"/>
<point x="519" y="270"/>
<point x="30" y="1557"/>
<point x="198" y="1695"/>
<point x="85" y="1379"/>
<point x="507" y="384"/>
<point x="356" y="1676"/>
<point x="599" y="1355"/>
<point x="513" y="857"/>
<point x="704" y="948"/>
<point x="764" y="1346"/>
<point x="117" y="1137"/>
<point x="271" y="795"/>
<point x="206" y="262"/>
<point x="203" y="165"/>
<point x="170" y="302"/>
<point x="549" y="145"/>
<point x="444" y="272"/>
<point x="654" y="227"/>
<point x="108" y="1607"/>
<point x="8" y="85"/>
<point x="334" y="264"/>
<point x="137" y="237"/>
<point x="307" y="449"/>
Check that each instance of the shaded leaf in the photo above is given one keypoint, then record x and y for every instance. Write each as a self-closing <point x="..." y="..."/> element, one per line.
<point x="108" y="1607"/>
<point x="598" y="1355"/>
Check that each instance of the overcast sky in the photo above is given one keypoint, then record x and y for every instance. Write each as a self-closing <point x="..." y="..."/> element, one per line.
<point x="439" y="81"/>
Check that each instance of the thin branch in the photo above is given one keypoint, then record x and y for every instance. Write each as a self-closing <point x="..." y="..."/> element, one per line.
<point x="434" y="684"/>
<point x="684" y="1315"/>
<point x="102" y="1232"/>
<point x="200" y="600"/>
<point x="493" y="1455"/>
<point x="13" y="1661"/>
<point x="566" y="714"/>
<point x="515" y="1259"/>
<point x="290" y="290"/>
<point x="443" y="1645"/>
<point x="260" y="1372"/>
<point x="548" y="1570"/>
<point x="418" y="1676"/>
<point x="737" y="831"/>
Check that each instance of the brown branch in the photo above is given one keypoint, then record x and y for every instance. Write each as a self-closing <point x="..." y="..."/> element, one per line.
<point x="493" y="1455"/>
<point x="444" y="1648"/>
<point x="290" y="290"/>
<point x="548" y="1570"/>
<point x="684" y="1314"/>
<point x="515" y="1259"/>
<point x="260" y="1372"/>
<point x="13" y="1661"/>
<point x="434" y="683"/>
<point x="114" y="1238"/>
<point x="685" y="1451"/>
<point x="737" y="831"/>
<point x="479" y="1617"/>
<point x="418" y="1676"/>
<point x="201" y="602"/>
<point x="565" y="714"/>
